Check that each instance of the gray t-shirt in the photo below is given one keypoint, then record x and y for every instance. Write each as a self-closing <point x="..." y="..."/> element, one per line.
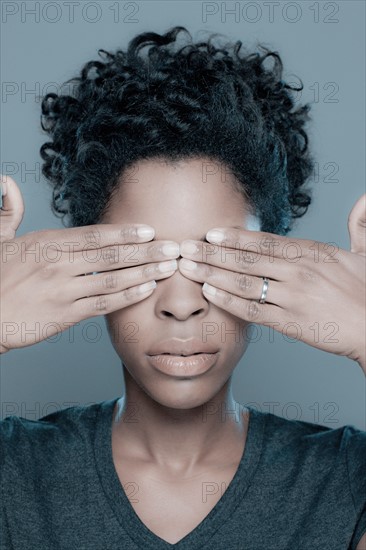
<point x="299" y="486"/>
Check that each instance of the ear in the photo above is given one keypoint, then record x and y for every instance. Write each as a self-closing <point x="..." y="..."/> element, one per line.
<point x="357" y="226"/>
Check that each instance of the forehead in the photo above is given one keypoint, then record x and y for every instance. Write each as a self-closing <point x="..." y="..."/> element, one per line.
<point x="181" y="200"/>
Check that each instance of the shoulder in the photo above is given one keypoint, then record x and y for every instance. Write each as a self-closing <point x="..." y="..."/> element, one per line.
<point x="52" y="435"/>
<point x="16" y="426"/>
<point x="314" y="437"/>
<point x="318" y="462"/>
<point x="315" y="452"/>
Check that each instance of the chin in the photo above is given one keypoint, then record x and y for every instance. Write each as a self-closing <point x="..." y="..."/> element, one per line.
<point x="185" y="394"/>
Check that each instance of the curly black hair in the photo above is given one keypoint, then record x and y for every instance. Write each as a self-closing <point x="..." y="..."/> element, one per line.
<point x="198" y="101"/>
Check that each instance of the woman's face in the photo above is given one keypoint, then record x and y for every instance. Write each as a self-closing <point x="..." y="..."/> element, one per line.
<point x="180" y="201"/>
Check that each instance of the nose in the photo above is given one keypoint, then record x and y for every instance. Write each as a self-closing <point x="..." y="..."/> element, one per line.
<point x="179" y="297"/>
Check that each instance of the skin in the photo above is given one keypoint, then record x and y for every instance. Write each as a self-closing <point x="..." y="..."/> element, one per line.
<point x="316" y="290"/>
<point x="174" y="199"/>
<point x="170" y="435"/>
<point x="36" y="263"/>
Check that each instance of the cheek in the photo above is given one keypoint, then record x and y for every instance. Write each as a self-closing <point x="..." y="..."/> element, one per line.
<point x="125" y="329"/>
<point x="229" y="331"/>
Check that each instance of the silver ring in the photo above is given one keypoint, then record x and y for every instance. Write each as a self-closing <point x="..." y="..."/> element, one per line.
<point x="264" y="290"/>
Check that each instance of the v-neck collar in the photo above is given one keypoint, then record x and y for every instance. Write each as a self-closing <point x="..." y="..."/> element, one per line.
<point x="222" y="511"/>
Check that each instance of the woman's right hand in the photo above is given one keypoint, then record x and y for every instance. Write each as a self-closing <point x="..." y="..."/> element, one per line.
<point x="47" y="284"/>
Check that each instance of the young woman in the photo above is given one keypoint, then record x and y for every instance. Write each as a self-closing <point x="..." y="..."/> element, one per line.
<point x="203" y="145"/>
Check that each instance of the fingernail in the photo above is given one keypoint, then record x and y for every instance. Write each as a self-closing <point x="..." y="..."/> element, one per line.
<point x="164" y="267"/>
<point x="187" y="264"/>
<point x="147" y="286"/>
<point x="171" y="249"/>
<point x="215" y="235"/>
<point x="209" y="289"/>
<point x="189" y="248"/>
<point x="145" y="232"/>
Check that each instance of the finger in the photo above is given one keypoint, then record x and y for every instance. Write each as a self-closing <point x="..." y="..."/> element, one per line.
<point x="248" y="310"/>
<point x="107" y="303"/>
<point x="240" y="284"/>
<point x="235" y="259"/>
<point x="275" y="247"/>
<point x="92" y="237"/>
<point x="12" y="208"/>
<point x="122" y="256"/>
<point x="116" y="281"/>
<point x="357" y="226"/>
<point x="258" y="242"/>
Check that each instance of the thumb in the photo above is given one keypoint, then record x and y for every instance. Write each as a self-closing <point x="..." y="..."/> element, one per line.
<point x="357" y="226"/>
<point x="12" y="208"/>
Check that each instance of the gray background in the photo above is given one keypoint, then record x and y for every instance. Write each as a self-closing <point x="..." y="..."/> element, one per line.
<point x="322" y="43"/>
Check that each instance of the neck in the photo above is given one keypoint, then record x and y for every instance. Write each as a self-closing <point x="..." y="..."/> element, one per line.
<point x="178" y="439"/>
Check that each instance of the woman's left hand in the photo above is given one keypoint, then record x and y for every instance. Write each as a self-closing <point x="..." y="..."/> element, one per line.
<point x="316" y="291"/>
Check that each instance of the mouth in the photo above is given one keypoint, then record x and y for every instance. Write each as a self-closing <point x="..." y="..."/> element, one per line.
<point x="181" y="354"/>
<point x="183" y="365"/>
<point x="176" y="347"/>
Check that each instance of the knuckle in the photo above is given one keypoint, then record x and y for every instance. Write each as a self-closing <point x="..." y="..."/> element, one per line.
<point x="110" y="255"/>
<point x="152" y="250"/>
<point x="47" y="270"/>
<point x="128" y="234"/>
<point x="228" y="299"/>
<point x="267" y="242"/>
<point x="209" y="271"/>
<point x="101" y="303"/>
<point x="253" y="310"/>
<point x="246" y="259"/>
<point x="308" y="275"/>
<point x="110" y="281"/>
<point x="231" y="235"/>
<point x="92" y="236"/>
<point x="129" y="293"/>
<point x="243" y="282"/>
<point x="148" y="271"/>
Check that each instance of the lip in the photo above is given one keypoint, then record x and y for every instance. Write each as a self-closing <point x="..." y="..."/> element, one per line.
<point x="177" y="346"/>
<point x="175" y="365"/>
